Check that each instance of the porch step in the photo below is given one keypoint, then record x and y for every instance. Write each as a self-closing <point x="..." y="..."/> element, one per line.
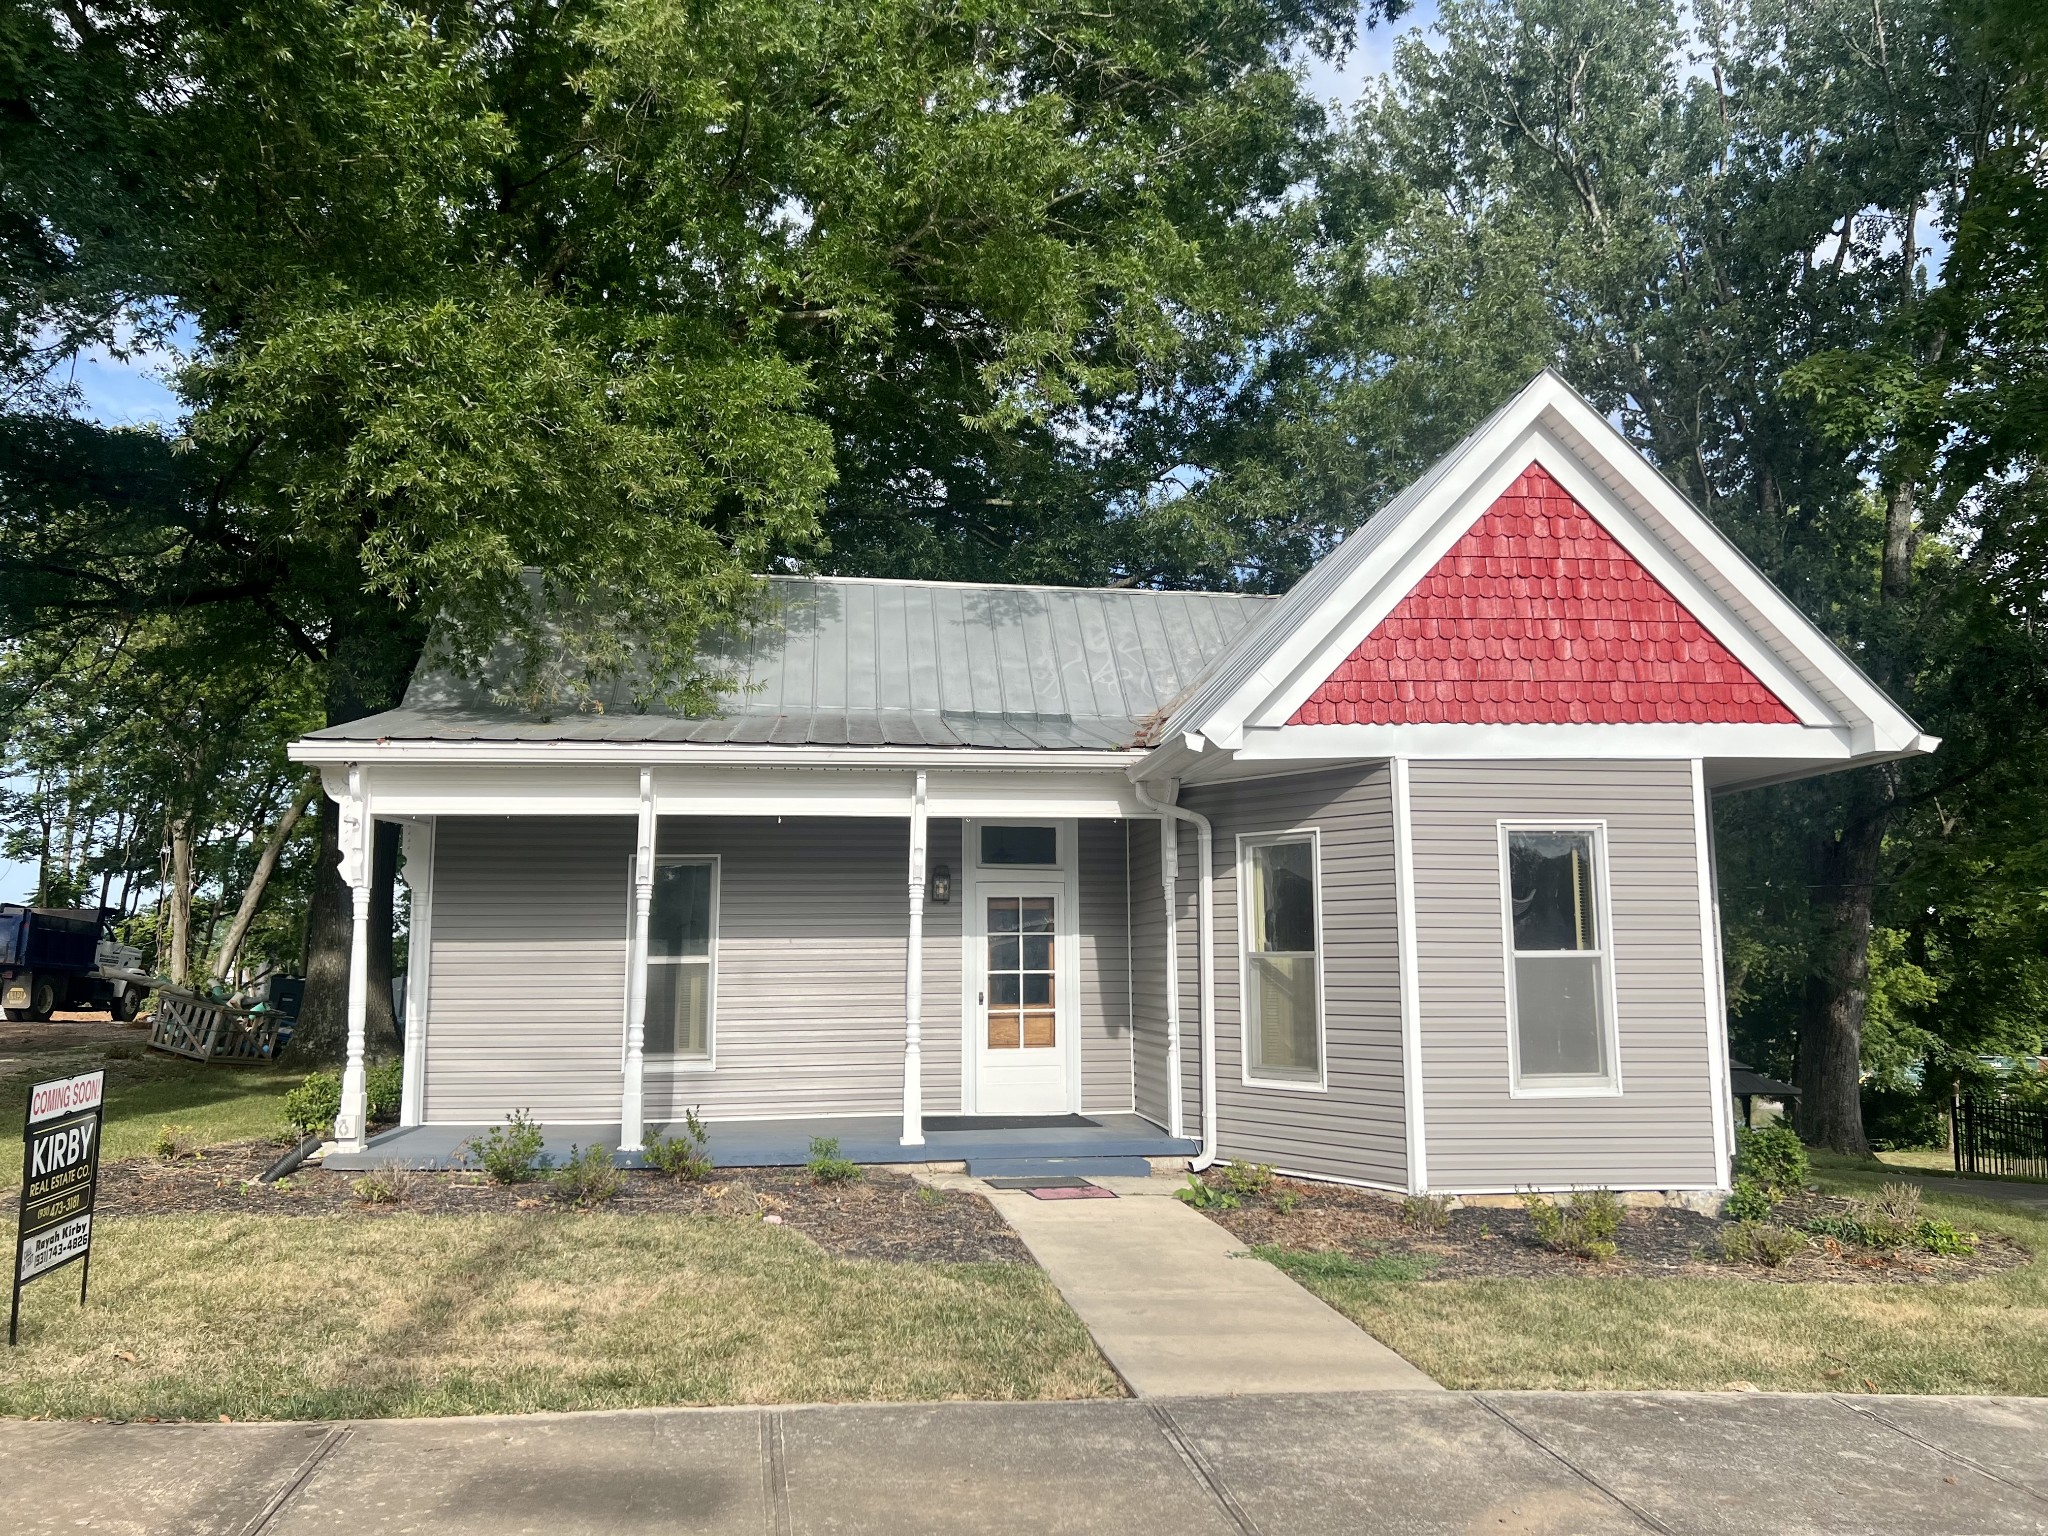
<point x="1054" y="1167"/>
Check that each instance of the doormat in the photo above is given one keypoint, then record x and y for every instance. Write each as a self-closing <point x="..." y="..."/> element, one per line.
<point x="1054" y="1187"/>
<point x="1009" y="1123"/>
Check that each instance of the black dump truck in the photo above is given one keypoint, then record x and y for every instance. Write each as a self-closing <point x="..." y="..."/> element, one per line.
<point x="60" y="957"/>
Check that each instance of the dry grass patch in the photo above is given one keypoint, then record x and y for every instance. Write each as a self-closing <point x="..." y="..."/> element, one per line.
<point x="1979" y="1336"/>
<point x="325" y="1317"/>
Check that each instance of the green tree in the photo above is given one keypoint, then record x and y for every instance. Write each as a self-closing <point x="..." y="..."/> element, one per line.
<point x="615" y="290"/>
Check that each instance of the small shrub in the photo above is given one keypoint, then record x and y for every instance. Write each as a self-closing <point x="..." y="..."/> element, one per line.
<point x="1774" y="1158"/>
<point x="1584" y="1229"/>
<point x="1286" y="1201"/>
<point x="510" y="1153"/>
<point x="589" y="1177"/>
<point x="826" y="1165"/>
<point x="1940" y="1237"/>
<point x="311" y="1107"/>
<point x="386" y="1184"/>
<point x="1243" y="1179"/>
<point x="1747" y="1202"/>
<point x="1760" y="1242"/>
<point x="928" y="1194"/>
<point x="1426" y="1213"/>
<point x="682" y="1157"/>
<point x="384" y="1088"/>
<point x="1206" y="1197"/>
<point x="172" y="1142"/>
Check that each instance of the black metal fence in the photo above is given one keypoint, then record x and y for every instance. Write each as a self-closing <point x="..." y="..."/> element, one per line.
<point x="1998" y="1136"/>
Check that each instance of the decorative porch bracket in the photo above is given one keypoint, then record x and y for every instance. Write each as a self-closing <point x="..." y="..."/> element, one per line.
<point x="355" y="840"/>
<point x="633" y="1110"/>
<point x="913" y="979"/>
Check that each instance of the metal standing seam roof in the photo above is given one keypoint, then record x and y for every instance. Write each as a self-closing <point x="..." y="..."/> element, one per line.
<point x="838" y="661"/>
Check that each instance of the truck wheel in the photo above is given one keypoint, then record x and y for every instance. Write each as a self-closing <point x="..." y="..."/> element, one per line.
<point x="19" y="1015"/>
<point x="43" y="1001"/>
<point x="126" y="1004"/>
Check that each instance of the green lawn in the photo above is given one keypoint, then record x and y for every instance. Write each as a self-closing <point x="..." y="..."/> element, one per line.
<point x="1707" y="1335"/>
<point x="326" y="1317"/>
<point x="145" y="1091"/>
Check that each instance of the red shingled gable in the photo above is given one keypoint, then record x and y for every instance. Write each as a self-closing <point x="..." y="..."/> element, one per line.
<point x="1537" y="616"/>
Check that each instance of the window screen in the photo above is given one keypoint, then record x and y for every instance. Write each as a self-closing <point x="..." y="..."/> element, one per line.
<point x="679" y="934"/>
<point x="1559" y="961"/>
<point x="1283" y="1023"/>
<point x="1039" y="846"/>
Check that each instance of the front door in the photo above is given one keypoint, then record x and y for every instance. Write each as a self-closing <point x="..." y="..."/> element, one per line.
<point x="1024" y="1033"/>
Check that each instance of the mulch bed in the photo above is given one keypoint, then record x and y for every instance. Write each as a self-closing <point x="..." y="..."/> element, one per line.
<point x="1491" y="1243"/>
<point x="882" y="1215"/>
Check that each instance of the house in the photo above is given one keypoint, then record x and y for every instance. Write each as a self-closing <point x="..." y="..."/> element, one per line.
<point x="1404" y="879"/>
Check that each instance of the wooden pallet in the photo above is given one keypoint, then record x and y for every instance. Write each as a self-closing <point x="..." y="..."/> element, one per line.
<point x="188" y="1025"/>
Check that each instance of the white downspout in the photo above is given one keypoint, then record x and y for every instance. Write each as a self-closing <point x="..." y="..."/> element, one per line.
<point x="1205" y="938"/>
<point x="913" y="978"/>
<point x="633" y="1103"/>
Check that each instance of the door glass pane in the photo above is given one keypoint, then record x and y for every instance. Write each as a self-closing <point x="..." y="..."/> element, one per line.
<point x="1020" y="973"/>
<point x="1283" y="898"/>
<point x="1550" y="879"/>
<point x="1557" y="1016"/>
<point x="677" y="1009"/>
<point x="679" y="922"/>
<point x="1035" y="846"/>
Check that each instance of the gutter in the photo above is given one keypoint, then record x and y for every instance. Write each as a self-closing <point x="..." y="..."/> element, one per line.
<point x="329" y="750"/>
<point x="1205" y="939"/>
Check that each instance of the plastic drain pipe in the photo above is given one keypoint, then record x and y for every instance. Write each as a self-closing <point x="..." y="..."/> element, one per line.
<point x="1205" y="912"/>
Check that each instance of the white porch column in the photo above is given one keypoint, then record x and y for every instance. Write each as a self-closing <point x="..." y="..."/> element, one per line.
<point x="913" y="979"/>
<point x="418" y="850"/>
<point x="633" y="1109"/>
<point x="356" y="840"/>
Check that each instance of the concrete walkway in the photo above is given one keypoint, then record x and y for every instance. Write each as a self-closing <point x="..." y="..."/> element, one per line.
<point x="1181" y="1310"/>
<point x="1381" y="1464"/>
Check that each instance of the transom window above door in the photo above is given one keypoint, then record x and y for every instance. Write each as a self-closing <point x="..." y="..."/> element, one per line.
<point x="1021" y="1015"/>
<point x="1005" y="847"/>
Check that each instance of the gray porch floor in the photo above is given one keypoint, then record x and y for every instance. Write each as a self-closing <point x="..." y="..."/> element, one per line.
<point x="787" y="1143"/>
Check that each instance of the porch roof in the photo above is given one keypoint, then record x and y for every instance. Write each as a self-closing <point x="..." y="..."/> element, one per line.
<point x="841" y="662"/>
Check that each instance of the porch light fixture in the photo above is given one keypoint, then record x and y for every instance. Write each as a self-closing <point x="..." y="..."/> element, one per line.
<point x="942" y="885"/>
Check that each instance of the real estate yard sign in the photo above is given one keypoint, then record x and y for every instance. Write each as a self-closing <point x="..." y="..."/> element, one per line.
<point x="60" y="1174"/>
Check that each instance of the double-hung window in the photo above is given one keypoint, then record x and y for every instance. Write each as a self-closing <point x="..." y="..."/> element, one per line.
<point x="1561" y="1025"/>
<point x="682" y="939"/>
<point x="1282" y="977"/>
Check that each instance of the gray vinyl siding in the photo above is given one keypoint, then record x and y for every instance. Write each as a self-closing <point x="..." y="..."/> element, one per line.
<point x="1659" y="1132"/>
<point x="1148" y="975"/>
<point x="528" y="977"/>
<point x="813" y="924"/>
<point x="1104" y="969"/>
<point x="527" y="981"/>
<point x="1355" y="1127"/>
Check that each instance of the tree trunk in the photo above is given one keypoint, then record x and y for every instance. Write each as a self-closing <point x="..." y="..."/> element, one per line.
<point x="321" y="1036"/>
<point x="179" y="969"/>
<point x="1830" y="1073"/>
<point x="370" y="659"/>
<point x="238" y="930"/>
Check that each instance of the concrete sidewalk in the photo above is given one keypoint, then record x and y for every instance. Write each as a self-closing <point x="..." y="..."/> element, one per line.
<point x="1178" y="1307"/>
<point x="1380" y="1464"/>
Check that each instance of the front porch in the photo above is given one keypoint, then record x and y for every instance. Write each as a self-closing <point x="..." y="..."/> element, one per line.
<point x="1098" y="1144"/>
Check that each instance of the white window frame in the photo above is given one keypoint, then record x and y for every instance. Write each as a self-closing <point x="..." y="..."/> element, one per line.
<point x="708" y="1062"/>
<point x="1246" y="843"/>
<point x="1608" y="1085"/>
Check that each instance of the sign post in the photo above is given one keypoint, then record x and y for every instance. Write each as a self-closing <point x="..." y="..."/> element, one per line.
<point x="60" y="1174"/>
